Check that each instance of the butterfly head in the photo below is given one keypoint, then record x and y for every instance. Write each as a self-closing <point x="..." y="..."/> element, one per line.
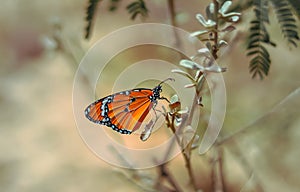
<point x="156" y="91"/>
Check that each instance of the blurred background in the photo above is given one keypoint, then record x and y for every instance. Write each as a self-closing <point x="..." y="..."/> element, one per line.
<point x="41" y="45"/>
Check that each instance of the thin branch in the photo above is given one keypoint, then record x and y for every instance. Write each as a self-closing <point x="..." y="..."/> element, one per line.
<point x="235" y="149"/>
<point x="215" y="46"/>
<point x="186" y="154"/>
<point x="132" y="178"/>
<point x="190" y="171"/>
<point x="171" y="7"/>
<point x="279" y="107"/>
<point x="177" y="140"/>
<point x="218" y="179"/>
<point x="217" y="173"/>
<point x="164" y="173"/>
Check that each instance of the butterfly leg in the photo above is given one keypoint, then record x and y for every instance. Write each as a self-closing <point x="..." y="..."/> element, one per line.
<point x="148" y="128"/>
<point x="163" y="98"/>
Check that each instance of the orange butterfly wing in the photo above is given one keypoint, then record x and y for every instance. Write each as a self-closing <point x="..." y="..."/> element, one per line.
<point x="123" y="112"/>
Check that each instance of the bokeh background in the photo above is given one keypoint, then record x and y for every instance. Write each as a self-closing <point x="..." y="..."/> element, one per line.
<point x="41" y="45"/>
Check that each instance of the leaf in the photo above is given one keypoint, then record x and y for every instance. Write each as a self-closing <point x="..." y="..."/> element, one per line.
<point x="286" y="21"/>
<point x="113" y="5"/>
<point x="210" y="9"/>
<point x="260" y="62"/>
<point x="207" y="24"/>
<point x="190" y="85"/>
<point x="224" y="8"/>
<point x="184" y="74"/>
<point x="137" y="8"/>
<point x="187" y="141"/>
<point x="241" y="6"/>
<point x="190" y="65"/>
<point x="261" y="10"/>
<point x="296" y="7"/>
<point x="90" y="14"/>
<point x="230" y="16"/>
<point x="228" y="28"/>
<point x="222" y="43"/>
<point x="174" y="99"/>
<point x="203" y="52"/>
<point x="199" y="33"/>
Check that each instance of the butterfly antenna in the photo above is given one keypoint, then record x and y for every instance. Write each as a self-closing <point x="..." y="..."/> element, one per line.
<point x="168" y="79"/>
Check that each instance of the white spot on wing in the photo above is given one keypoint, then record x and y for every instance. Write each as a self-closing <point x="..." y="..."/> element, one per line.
<point x="102" y="113"/>
<point x="103" y="106"/>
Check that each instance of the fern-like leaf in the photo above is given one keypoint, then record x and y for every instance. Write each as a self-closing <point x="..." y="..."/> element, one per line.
<point x="137" y="7"/>
<point x="260" y="62"/>
<point x="261" y="10"/>
<point x="286" y="20"/>
<point x="113" y="5"/>
<point x="90" y="13"/>
<point x="296" y="6"/>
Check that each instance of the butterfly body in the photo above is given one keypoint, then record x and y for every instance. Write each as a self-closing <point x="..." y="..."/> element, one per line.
<point x="124" y="111"/>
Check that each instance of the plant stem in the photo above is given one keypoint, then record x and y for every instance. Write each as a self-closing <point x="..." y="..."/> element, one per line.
<point x="190" y="172"/>
<point x="171" y="7"/>
<point x="235" y="150"/>
<point x="162" y="168"/>
<point x="186" y="154"/>
<point x="217" y="175"/>
<point x="164" y="172"/>
<point x="216" y="39"/>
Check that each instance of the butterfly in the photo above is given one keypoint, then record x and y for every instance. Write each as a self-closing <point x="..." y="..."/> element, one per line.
<point x="125" y="111"/>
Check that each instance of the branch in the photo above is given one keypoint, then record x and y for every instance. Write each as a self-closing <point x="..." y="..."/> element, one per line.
<point x="217" y="173"/>
<point x="164" y="173"/>
<point x="278" y="112"/>
<point x="216" y="33"/>
<point x="171" y="7"/>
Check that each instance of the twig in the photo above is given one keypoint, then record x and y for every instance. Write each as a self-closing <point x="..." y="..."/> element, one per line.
<point x="220" y="164"/>
<point x="281" y="106"/>
<point x="162" y="168"/>
<point x="218" y="177"/>
<point x="246" y="165"/>
<point x="164" y="173"/>
<point x="215" y="32"/>
<point x="132" y="179"/>
<point x="176" y="139"/>
<point x="190" y="172"/>
<point x="217" y="173"/>
<point x="186" y="154"/>
<point x="120" y="156"/>
<point x="171" y="7"/>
